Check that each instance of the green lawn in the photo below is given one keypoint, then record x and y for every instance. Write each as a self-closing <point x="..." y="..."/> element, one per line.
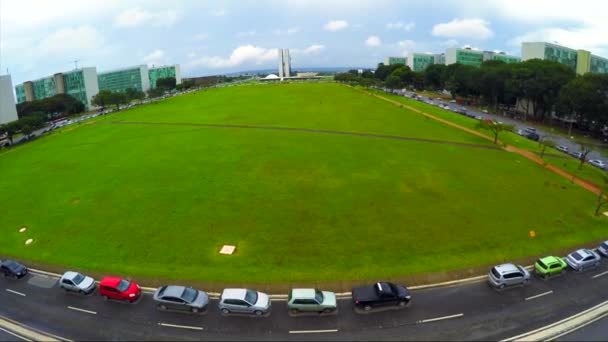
<point x="160" y="200"/>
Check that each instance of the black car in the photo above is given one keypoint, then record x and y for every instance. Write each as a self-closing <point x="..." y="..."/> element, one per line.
<point x="533" y="136"/>
<point x="13" y="269"/>
<point x="380" y="294"/>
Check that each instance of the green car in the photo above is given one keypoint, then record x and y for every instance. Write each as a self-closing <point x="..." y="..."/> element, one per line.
<point x="311" y="300"/>
<point x="549" y="266"/>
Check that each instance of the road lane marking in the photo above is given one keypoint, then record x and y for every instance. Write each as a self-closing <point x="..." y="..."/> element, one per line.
<point x="82" y="310"/>
<point x="17" y="336"/>
<point x="599" y="275"/>
<point x="539" y="295"/>
<point x="179" y="326"/>
<point x="312" y="331"/>
<point x="440" y="318"/>
<point x="15" y="292"/>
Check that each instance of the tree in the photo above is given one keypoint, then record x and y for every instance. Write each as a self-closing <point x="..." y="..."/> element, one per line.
<point x="602" y="199"/>
<point x="26" y="130"/>
<point x="118" y="98"/>
<point x="546" y="143"/>
<point x="494" y="127"/>
<point x="585" y="149"/>
<point x="166" y="83"/>
<point x="433" y="76"/>
<point x="134" y="94"/>
<point x="103" y="98"/>
<point x="157" y="92"/>
<point x="11" y="129"/>
<point x="393" y="82"/>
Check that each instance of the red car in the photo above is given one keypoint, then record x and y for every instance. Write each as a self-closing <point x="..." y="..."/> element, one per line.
<point x="120" y="289"/>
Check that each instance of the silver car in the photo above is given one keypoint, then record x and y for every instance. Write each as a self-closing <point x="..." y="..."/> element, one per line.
<point x="244" y="301"/>
<point x="504" y="275"/>
<point x="77" y="282"/>
<point x="603" y="248"/>
<point x="181" y="298"/>
<point x="598" y="163"/>
<point x="583" y="259"/>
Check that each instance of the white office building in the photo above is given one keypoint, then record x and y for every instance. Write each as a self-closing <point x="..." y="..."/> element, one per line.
<point x="8" y="110"/>
<point x="284" y="63"/>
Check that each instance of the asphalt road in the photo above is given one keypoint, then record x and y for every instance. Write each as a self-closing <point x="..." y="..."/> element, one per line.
<point x="472" y="312"/>
<point x="558" y="139"/>
<point x="597" y="331"/>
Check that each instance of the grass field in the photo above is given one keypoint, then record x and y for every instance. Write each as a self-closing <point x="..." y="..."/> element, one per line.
<point x="159" y="200"/>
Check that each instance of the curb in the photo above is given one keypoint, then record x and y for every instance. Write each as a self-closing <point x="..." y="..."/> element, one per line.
<point x="283" y="297"/>
<point x="27" y="332"/>
<point x="565" y="326"/>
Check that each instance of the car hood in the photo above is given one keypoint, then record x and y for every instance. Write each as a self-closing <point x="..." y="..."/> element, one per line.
<point x="329" y="298"/>
<point x="86" y="283"/>
<point x="402" y="291"/>
<point x="202" y="299"/>
<point x="133" y="288"/>
<point x="263" y="300"/>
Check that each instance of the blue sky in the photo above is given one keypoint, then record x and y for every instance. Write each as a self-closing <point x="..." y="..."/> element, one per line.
<point x="40" y="37"/>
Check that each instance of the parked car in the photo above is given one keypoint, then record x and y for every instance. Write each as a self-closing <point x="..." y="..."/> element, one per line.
<point x="181" y="298"/>
<point x="303" y="300"/>
<point x="583" y="259"/>
<point x="244" y="301"/>
<point x="530" y="129"/>
<point x="549" y="266"/>
<point x="521" y="132"/>
<point x="533" y="136"/>
<point x="77" y="282"/>
<point x="119" y="289"/>
<point x="11" y="268"/>
<point x="603" y="248"/>
<point x="504" y="275"/>
<point x="485" y="111"/>
<point x="380" y="294"/>
<point x="562" y="148"/>
<point x="597" y="163"/>
<point x="576" y="155"/>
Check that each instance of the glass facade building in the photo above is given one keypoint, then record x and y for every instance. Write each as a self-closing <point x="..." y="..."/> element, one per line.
<point x="20" y="91"/>
<point x="122" y="79"/>
<point x="581" y="61"/>
<point x="506" y="58"/>
<point x="464" y="56"/>
<point x="395" y="60"/>
<point x="163" y="72"/>
<point x="599" y="65"/>
<point x="420" y="61"/>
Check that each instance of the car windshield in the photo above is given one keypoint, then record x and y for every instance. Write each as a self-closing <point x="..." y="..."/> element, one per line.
<point x="541" y="263"/>
<point x="251" y="297"/>
<point x="605" y="245"/>
<point x="78" y="278"/>
<point x="123" y="285"/>
<point x="189" y="295"/>
<point x="495" y="273"/>
<point x="576" y="256"/>
<point x="319" y="296"/>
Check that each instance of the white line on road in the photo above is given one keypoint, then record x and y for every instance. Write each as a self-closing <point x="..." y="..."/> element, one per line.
<point x="15" y="292"/>
<point x="312" y="331"/>
<point x="440" y="318"/>
<point x="17" y="336"/>
<point x="82" y="310"/>
<point x="599" y="275"/>
<point x="179" y="326"/>
<point x="539" y="295"/>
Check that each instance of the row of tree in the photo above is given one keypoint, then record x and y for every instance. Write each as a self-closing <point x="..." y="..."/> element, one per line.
<point x="539" y="88"/>
<point x="26" y="125"/>
<point x="55" y="106"/>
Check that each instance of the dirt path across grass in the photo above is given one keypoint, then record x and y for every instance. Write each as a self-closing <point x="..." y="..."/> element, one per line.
<point x="528" y="154"/>
<point x="308" y="130"/>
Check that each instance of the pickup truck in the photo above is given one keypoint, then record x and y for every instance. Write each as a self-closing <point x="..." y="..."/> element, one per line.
<point x="380" y="294"/>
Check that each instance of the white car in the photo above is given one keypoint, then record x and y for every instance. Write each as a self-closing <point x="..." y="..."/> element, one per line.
<point x="244" y="301"/>
<point x="77" y="282"/>
<point x="583" y="259"/>
<point x="598" y="163"/>
<point x="603" y="248"/>
<point x="562" y="148"/>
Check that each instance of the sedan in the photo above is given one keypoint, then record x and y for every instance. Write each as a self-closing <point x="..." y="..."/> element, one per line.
<point x="603" y="248"/>
<point x="598" y="163"/>
<point x="562" y="148"/>
<point x="244" y="301"/>
<point x="76" y="282"/>
<point x="577" y="155"/>
<point x="13" y="269"/>
<point x="583" y="259"/>
<point x="181" y="298"/>
<point x="301" y="300"/>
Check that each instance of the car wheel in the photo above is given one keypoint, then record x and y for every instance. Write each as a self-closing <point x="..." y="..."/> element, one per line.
<point x="294" y="311"/>
<point x="195" y="310"/>
<point x="126" y="300"/>
<point x="327" y="310"/>
<point x="502" y="286"/>
<point x="81" y="292"/>
<point x="162" y="307"/>
<point x="526" y="281"/>
<point x="402" y="303"/>
<point x="258" y="313"/>
<point x="105" y="298"/>
<point x="225" y="311"/>
<point x="367" y="308"/>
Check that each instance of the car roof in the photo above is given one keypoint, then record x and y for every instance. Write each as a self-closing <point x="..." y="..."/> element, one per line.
<point x="583" y="252"/>
<point x="550" y="259"/>
<point x="173" y="291"/>
<point x="506" y="268"/>
<point x="110" y="281"/>
<point x="303" y="293"/>
<point x="69" y="275"/>
<point x="234" y="293"/>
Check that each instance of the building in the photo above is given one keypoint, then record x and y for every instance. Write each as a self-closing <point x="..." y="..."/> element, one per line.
<point x="8" y="110"/>
<point x="284" y="63"/>
<point x="79" y="83"/>
<point x="165" y="71"/>
<point x="501" y="56"/>
<point x="395" y="60"/>
<point x="465" y="56"/>
<point x="439" y="58"/>
<point x="122" y="79"/>
<point x="420" y="61"/>
<point x="581" y="61"/>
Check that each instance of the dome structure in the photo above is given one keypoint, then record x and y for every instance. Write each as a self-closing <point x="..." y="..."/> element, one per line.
<point x="271" y="77"/>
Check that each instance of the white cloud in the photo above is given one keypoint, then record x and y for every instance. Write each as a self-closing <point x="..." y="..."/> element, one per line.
<point x="219" y="12"/>
<point x="289" y="31"/>
<point x="400" y="25"/>
<point x="134" y="17"/>
<point x="200" y="36"/>
<point x="335" y="25"/>
<point x="246" y="34"/>
<point x="590" y="38"/>
<point x="70" y="40"/>
<point x="191" y="55"/>
<point x="406" y="46"/>
<point x="155" y="56"/>
<point x="311" y="50"/>
<point x="463" y="28"/>
<point x="449" y="43"/>
<point x="373" y="41"/>
<point x="241" y="55"/>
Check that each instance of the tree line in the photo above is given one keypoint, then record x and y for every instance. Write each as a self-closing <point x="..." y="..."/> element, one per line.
<point x="540" y="88"/>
